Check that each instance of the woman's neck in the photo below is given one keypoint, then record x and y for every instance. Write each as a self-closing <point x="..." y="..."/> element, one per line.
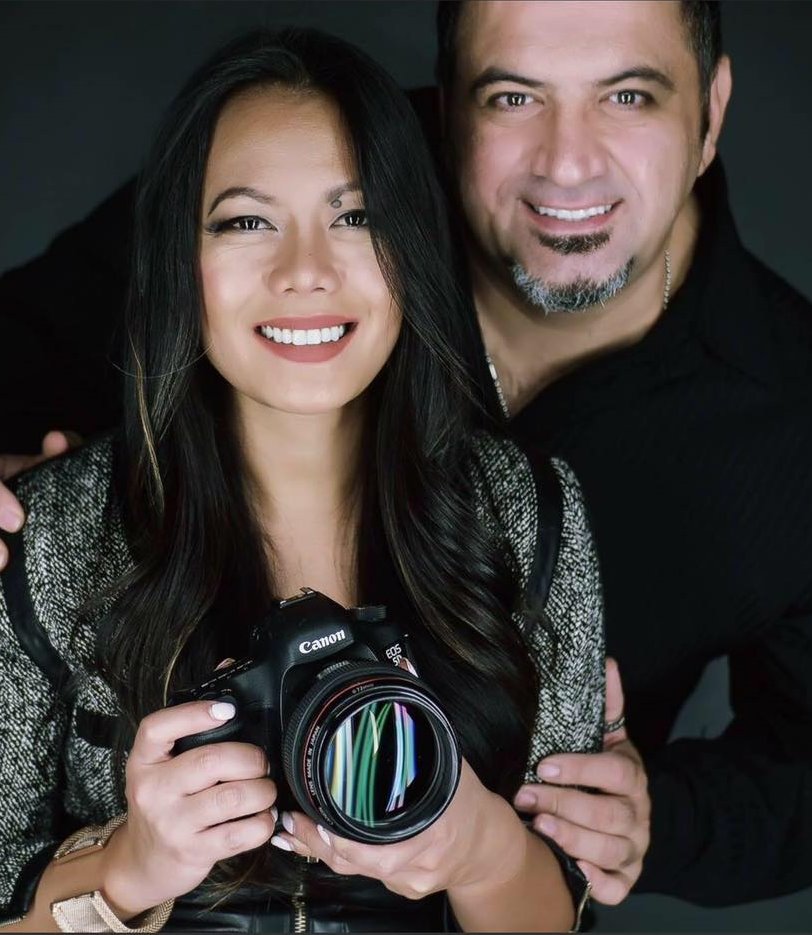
<point x="304" y="471"/>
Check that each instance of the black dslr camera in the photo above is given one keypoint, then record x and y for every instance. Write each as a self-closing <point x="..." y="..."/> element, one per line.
<point x="354" y="738"/>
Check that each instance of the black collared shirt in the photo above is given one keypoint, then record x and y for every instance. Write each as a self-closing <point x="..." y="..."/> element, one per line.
<point x="694" y="449"/>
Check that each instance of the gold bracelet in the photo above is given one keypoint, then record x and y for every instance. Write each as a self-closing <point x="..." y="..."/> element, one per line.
<point x="90" y="912"/>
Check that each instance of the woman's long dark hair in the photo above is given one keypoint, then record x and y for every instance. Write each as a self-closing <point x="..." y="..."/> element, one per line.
<point x="201" y="575"/>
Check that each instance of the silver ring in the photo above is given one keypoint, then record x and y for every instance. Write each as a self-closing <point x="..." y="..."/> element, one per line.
<point x="609" y="727"/>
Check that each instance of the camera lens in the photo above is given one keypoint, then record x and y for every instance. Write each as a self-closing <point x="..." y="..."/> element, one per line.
<point x="370" y="752"/>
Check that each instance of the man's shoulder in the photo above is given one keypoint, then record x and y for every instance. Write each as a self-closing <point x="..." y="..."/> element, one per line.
<point x="779" y="298"/>
<point x="787" y="317"/>
<point x="768" y="330"/>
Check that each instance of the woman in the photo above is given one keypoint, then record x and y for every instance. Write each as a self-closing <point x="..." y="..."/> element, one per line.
<point x="298" y="415"/>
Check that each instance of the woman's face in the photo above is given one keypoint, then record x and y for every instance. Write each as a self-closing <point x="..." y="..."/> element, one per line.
<point x="297" y="315"/>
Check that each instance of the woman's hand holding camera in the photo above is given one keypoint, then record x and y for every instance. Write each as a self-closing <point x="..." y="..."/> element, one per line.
<point x="477" y="841"/>
<point x="185" y="812"/>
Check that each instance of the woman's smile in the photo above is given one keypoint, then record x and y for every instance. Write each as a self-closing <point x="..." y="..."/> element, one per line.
<point x="307" y="340"/>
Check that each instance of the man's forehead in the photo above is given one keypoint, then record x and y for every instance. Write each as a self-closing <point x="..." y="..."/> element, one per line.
<point x="582" y="36"/>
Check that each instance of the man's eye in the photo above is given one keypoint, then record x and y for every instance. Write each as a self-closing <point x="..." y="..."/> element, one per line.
<point x="357" y="218"/>
<point x="510" y="100"/>
<point x="630" y="99"/>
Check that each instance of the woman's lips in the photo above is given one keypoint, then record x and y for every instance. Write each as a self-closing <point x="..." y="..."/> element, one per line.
<point x="314" y="339"/>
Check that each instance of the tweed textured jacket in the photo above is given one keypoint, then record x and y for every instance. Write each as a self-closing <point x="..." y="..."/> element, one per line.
<point x="55" y="776"/>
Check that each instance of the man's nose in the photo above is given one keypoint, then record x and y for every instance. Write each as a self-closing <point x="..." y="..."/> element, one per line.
<point x="569" y="150"/>
<point x="303" y="264"/>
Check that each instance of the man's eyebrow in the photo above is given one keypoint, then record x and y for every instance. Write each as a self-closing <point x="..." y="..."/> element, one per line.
<point x="237" y="191"/>
<point x="642" y="73"/>
<point x="495" y="75"/>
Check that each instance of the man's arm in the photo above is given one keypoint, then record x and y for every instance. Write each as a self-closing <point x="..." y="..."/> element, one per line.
<point x="58" y="316"/>
<point x="732" y="816"/>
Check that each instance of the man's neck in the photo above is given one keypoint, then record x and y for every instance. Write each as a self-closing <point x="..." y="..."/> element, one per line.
<point x="531" y="350"/>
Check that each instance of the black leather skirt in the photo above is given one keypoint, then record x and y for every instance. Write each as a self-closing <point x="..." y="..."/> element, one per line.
<point x="364" y="906"/>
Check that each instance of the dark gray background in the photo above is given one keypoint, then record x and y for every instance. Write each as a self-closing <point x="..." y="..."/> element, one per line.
<point x="83" y="84"/>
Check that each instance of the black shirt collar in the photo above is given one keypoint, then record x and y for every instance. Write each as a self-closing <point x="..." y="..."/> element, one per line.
<point x="723" y="291"/>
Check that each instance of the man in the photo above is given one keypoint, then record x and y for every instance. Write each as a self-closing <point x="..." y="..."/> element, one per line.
<point x="631" y="334"/>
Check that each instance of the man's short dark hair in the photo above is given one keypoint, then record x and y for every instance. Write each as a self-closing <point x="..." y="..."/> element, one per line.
<point x="703" y="23"/>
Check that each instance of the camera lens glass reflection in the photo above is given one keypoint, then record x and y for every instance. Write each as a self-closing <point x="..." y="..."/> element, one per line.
<point x="378" y="763"/>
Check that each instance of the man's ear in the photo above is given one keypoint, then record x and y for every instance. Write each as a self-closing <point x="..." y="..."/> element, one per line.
<point x="720" y="90"/>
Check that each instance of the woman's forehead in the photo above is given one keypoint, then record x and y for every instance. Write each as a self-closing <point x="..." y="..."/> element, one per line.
<point x="269" y="134"/>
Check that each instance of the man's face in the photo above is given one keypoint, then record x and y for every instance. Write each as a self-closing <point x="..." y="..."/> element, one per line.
<point x="576" y="131"/>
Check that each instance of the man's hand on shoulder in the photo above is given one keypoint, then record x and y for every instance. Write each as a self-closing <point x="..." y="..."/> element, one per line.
<point x="606" y="830"/>
<point x="11" y="513"/>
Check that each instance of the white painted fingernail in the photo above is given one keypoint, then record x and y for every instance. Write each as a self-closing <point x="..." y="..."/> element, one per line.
<point x="287" y="823"/>
<point x="281" y="843"/>
<point x="549" y="771"/>
<point x="222" y="710"/>
<point x="11" y="520"/>
<point x="547" y="825"/>
<point x="323" y="835"/>
<point x="274" y="813"/>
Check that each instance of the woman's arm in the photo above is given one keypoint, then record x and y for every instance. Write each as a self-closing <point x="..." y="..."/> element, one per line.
<point x="523" y="891"/>
<point x="32" y="731"/>
<point x="499" y="877"/>
<point x="186" y="813"/>
<point x="76" y="874"/>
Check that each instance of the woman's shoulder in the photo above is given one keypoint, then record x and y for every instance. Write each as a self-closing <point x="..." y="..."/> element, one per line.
<point x="80" y="477"/>
<point x="71" y="547"/>
<point x="539" y="507"/>
<point x="502" y="463"/>
<point x="69" y="503"/>
<point x="520" y="489"/>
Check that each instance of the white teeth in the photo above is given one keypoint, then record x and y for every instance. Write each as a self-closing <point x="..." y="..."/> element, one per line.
<point x="302" y="336"/>
<point x="565" y="215"/>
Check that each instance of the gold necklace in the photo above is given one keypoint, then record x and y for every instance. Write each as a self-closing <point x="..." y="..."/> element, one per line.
<point x="497" y="383"/>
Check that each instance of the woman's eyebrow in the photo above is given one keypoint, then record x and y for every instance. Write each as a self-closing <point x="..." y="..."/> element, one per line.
<point x="334" y="194"/>
<point x="237" y="191"/>
<point x="241" y="190"/>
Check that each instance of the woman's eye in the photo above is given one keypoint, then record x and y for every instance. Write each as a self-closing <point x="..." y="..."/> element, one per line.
<point x="356" y="218"/>
<point x="243" y="223"/>
<point x="630" y="98"/>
